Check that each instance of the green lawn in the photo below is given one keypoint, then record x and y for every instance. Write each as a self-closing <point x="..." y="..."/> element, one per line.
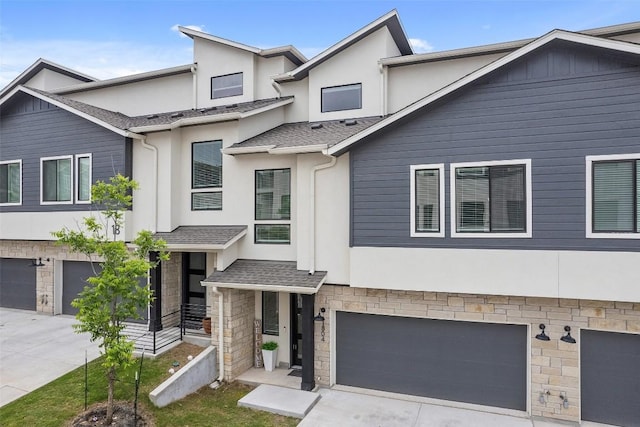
<point x="61" y="400"/>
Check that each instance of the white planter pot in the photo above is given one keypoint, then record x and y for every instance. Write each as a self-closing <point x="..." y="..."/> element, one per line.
<point x="270" y="358"/>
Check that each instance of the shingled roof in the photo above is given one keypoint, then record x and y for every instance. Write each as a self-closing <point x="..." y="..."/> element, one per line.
<point x="212" y="236"/>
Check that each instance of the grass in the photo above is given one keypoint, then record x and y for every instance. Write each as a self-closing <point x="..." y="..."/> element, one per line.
<point x="56" y="403"/>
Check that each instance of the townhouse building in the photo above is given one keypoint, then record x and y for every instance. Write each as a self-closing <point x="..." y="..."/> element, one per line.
<point x="460" y="226"/>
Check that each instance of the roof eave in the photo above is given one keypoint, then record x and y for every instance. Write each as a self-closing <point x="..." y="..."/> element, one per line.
<point x="262" y="287"/>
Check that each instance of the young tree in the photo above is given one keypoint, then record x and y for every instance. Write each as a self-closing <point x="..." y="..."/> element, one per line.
<point x="114" y="293"/>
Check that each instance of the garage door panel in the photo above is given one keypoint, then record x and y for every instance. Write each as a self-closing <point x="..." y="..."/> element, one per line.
<point x="469" y="362"/>
<point x="610" y="377"/>
<point x="17" y="283"/>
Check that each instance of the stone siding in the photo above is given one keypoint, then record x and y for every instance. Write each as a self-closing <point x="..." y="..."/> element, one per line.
<point x="553" y="364"/>
<point x="172" y="283"/>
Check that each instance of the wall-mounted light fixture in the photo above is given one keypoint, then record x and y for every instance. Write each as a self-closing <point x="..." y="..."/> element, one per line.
<point x="542" y="336"/>
<point x="568" y="338"/>
<point x="320" y="318"/>
<point x="39" y="262"/>
<point x="565" y="400"/>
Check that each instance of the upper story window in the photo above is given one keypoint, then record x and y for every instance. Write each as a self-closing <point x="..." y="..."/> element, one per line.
<point x="491" y="199"/>
<point x="206" y="175"/>
<point x="227" y="85"/>
<point x="273" y="203"/>
<point x="427" y="200"/>
<point x="613" y="196"/>
<point x="10" y="182"/>
<point x="56" y="179"/>
<point x="338" y="98"/>
<point x="83" y="178"/>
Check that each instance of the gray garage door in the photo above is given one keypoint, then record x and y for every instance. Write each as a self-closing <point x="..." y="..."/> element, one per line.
<point x="610" y="377"/>
<point x="481" y="363"/>
<point x="17" y="283"/>
<point x="75" y="274"/>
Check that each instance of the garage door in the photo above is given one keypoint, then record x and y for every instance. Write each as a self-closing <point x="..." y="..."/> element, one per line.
<point x="74" y="279"/>
<point x="610" y="377"/>
<point x="17" y="283"/>
<point x="480" y="363"/>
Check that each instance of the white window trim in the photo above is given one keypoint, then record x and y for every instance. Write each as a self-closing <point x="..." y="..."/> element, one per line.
<point x="75" y="183"/>
<point x="440" y="168"/>
<point x="44" y="159"/>
<point x="589" y="160"/>
<point x="19" y="161"/>
<point x="452" y="192"/>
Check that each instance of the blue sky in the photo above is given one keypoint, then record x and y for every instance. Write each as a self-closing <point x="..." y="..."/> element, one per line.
<point x="113" y="38"/>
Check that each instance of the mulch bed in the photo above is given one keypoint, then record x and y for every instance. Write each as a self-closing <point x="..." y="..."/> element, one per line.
<point x="123" y="416"/>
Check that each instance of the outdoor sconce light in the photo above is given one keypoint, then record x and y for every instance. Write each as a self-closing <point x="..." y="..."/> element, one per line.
<point x="568" y="338"/>
<point x="564" y="398"/>
<point x="39" y="263"/>
<point x="320" y="318"/>
<point x="542" y="336"/>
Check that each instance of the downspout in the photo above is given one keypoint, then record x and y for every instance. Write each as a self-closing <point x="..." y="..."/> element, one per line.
<point x="312" y="209"/>
<point x="220" y="378"/>
<point x="142" y="139"/>
<point x="383" y="88"/>
<point x="194" y="68"/>
<point x="277" y="87"/>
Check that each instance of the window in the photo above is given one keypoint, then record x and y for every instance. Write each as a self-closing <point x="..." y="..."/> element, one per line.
<point x="613" y="196"/>
<point x="491" y="199"/>
<point x="427" y="200"/>
<point x="227" y="85"/>
<point x="56" y="180"/>
<point x="11" y="182"/>
<point x="270" y="324"/>
<point x="340" y="98"/>
<point x="273" y="203"/>
<point x="83" y="178"/>
<point x="206" y="174"/>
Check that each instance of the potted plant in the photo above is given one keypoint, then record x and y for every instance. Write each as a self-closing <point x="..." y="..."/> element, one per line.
<point x="206" y="325"/>
<point x="270" y="355"/>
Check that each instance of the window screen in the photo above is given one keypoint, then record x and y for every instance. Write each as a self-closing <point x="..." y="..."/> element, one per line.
<point x="228" y="85"/>
<point x="56" y="180"/>
<point x="340" y="98"/>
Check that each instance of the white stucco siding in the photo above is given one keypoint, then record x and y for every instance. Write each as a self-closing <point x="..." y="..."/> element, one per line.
<point x="215" y="59"/>
<point x="299" y="110"/>
<point x="49" y="80"/>
<point x="355" y="64"/>
<point x="409" y="83"/>
<point x="158" y="95"/>
<point x="610" y="276"/>
<point x="265" y="69"/>
<point x="260" y="123"/>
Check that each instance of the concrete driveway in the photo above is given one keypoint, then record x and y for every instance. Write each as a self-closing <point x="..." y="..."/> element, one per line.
<point x="35" y="349"/>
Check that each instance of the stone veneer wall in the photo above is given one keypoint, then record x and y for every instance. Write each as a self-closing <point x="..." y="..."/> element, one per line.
<point x="172" y="283"/>
<point x="554" y="364"/>
<point x="33" y="249"/>
<point x="239" y="313"/>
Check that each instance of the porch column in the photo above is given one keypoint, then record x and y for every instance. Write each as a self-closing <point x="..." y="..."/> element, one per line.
<point x="155" y="308"/>
<point x="308" y="381"/>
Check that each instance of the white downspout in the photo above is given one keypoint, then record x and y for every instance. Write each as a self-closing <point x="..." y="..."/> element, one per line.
<point x="277" y="87"/>
<point x="220" y="378"/>
<point x="312" y="209"/>
<point x="194" y="67"/>
<point x="383" y="88"/>
<point x="142" y="139"/>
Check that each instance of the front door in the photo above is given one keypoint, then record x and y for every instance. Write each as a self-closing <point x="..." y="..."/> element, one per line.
<point x="193" y="293"/>
<point x="296" y="330"/>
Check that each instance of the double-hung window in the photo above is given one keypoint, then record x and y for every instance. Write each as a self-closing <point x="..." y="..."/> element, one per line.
<point x="83" y="178"/>
<point x="227" y="85"/>
<point x="491" y="199"/>
<point x="56" y="180"/>
<point x="10" y="182"/>
<point x="613" y="196"/>
<point x="339" y="98"/>
<point x="206" y="175"/>
<point x="427" y="200"/>
<point x="273" y="206"/>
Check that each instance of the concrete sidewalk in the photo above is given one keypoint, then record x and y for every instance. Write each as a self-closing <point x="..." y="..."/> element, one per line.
<point x="37" y="348"/>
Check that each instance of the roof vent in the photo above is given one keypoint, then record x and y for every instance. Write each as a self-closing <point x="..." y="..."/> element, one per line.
<point x="175" y="115"/>
<point x="350" y="122"/>
<point x="316" y="126"/>
<point x="152" y="116"/>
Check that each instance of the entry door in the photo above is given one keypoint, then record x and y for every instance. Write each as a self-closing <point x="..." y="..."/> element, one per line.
<point x="193" y="293"/>
<point x="296" y="330"/>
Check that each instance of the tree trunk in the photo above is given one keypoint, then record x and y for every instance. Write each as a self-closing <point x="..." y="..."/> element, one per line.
<point x="112" y="383"/>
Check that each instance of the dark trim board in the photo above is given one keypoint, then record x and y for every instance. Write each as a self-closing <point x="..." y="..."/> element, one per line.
<point x="471" y="362"/>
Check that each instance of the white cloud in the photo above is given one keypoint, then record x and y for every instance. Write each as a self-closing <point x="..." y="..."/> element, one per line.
<point x="191" y="27"/>
<point x="420" y="46"/>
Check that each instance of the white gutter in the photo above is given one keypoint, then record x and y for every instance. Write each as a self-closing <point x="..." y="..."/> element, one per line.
<point x="312" y="209"/>
<point x="153" y="149"/>
<point x="220" y="378"/>
<point x="272" y="288"/>
<point x="195" y="85"/>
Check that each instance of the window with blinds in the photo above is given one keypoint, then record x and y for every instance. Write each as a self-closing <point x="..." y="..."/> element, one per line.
<point x="206" y="174"/>
<point x="273" y="203"/>
<point x="427" y="200"/>
<point x="615" y="196"/>
<point x="10" y="182"/>
<point x="490" y="198"/>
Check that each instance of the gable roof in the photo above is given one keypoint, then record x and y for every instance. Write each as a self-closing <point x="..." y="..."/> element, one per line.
<point x="290" y="52"/>
<point x="202" y="236"/>
<point x="39" y="65"/>
<point x="390" y="20"/>
<point x="581" y="39"/>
